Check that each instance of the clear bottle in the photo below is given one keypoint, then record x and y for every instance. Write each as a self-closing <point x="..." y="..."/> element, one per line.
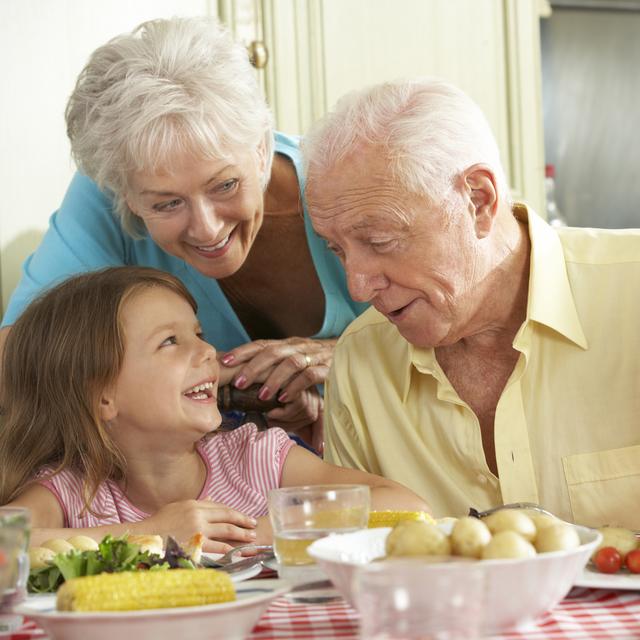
<point x="554" y="217"/>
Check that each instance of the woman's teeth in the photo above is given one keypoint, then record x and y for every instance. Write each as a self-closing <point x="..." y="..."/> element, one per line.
<point x="216" y="247"/>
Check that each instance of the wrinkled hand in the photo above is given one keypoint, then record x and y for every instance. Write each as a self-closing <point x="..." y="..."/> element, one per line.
<point x="286" y="367"/>
<point x="221" y="526"/>
<point x="303" y="410"/>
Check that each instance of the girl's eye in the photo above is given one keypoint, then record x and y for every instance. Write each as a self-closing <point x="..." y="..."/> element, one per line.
<point x="169" y="341"/>
<point x="167" y="207"/>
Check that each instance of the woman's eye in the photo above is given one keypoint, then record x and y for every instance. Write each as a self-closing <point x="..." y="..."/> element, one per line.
<point x="227" y="185"/>
<point x="169" y="341"/>
<point x="167" y="207"/>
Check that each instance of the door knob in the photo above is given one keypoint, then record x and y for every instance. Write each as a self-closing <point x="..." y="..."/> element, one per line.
<point x="258" y="54"/>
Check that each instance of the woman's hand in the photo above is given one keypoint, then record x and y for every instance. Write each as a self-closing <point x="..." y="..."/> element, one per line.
<point x="285" y="367"/>
<point x="221" y="526"/>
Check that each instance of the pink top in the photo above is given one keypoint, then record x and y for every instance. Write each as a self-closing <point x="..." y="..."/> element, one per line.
<point x="242" y="466"/>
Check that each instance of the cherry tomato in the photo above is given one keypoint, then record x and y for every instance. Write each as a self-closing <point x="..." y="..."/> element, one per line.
<point x="607" y="560"/>
<point x="633" y="561"/>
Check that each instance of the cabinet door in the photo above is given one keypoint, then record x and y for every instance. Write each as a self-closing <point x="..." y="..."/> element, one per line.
<point x="321" y="49"/>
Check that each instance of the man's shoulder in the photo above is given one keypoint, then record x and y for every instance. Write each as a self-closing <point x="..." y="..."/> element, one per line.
<point x="370" y="322"/>
<point x="600" y="246"/>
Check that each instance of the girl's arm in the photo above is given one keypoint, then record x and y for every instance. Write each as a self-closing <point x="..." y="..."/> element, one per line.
<point x="219" y="524"/>
<point x="302" y="467"/>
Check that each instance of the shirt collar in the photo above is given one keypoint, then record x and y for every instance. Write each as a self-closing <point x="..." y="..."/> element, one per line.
<point x="550" y="300"/>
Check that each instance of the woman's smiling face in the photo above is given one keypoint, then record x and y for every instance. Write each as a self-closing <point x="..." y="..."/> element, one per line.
<point x="206" y="212"/>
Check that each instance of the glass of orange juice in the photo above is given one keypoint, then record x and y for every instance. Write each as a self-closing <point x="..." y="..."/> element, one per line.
<point x="301" y="515"/>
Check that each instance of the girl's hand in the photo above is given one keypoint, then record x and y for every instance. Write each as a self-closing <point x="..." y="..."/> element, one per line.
<point x="285" y="367"/>
<point x="221" y="526"/>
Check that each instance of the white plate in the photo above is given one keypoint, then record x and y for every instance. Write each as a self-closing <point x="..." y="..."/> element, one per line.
<point x="228" y="621"/>
<point x="596" y="580"/>
<point x="239" y="576"/>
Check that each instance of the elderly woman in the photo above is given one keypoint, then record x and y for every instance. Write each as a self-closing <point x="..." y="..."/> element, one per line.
<point x="175" y="147"/>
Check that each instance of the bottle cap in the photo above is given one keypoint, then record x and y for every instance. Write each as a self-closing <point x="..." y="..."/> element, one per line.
<point x="549" y="170"/>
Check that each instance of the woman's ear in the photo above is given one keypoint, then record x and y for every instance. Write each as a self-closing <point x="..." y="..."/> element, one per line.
<point x="480" y="183"/>
<point x="261" y="155"/>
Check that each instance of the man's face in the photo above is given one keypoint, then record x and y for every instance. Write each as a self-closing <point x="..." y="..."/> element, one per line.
<point x="414" y="262"/>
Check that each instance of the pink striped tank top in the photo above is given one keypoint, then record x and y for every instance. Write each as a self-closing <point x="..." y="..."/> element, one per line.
<point x="242" y="466"/>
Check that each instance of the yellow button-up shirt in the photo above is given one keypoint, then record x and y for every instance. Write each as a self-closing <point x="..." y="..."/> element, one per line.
<point x="567" y="425"/>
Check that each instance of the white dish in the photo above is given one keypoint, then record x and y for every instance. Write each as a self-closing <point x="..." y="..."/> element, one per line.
<point x="226" y="621"/>
<point x="243" y="574"/>
<point x="516" y="591"/>
<point x="596" y="580"/>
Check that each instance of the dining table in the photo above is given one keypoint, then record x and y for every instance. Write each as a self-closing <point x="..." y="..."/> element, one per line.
<point x="584" y="614"/>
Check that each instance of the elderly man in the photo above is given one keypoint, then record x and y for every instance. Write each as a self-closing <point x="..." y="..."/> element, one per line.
<point x="501" y="359"/>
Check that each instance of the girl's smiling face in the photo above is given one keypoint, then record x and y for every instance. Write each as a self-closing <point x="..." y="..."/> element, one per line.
<point x="165" y="393"/>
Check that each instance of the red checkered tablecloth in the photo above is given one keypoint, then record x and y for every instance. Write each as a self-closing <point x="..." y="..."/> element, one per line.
<point x="586" y="614"/>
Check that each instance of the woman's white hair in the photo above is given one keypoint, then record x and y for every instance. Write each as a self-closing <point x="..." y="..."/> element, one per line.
<point x="430" y="131"/>
<point x="168" y="87"/>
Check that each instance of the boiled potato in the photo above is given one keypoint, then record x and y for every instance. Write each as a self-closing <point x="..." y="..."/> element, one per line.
<point x="557" y="537"/>
<point x="511" y="520"/>
<point x="469" y="536"/>
<point x="541" y="520"/>
<point x="624" y="540"/>
<point x="83" y="543"/>
<point x="416" y="538"/>
<point x="58" y="545"/>
<point x="508" y="544"/>
<point x="40" y="557"/>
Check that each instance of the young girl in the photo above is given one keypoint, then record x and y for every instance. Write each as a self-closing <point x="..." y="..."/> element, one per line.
<point x="108" y="417"/>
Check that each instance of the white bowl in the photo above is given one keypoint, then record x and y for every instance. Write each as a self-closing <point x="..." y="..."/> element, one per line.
<point x="516" y="591"/>
<point x="225" y="621"/>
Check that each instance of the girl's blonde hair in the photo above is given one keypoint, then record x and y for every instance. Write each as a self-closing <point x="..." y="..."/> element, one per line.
<point x="60" y="356"/>
<point x="169" y="87"/>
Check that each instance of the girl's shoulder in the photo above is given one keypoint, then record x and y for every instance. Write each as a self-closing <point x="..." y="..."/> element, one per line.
<point x="246" y="436"/>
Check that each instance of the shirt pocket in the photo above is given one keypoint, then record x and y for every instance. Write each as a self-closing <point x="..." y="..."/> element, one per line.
<point x="604" y="487"/>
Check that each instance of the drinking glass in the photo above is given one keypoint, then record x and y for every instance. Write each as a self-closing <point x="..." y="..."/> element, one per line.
<point x="301" y="515"/>
<point x="14" y="559"/>
<point x="419" y="599"/>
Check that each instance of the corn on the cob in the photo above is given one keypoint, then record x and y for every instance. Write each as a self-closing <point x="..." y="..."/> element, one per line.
<point x="132" y="590"/>
<point x="391" y="518"/>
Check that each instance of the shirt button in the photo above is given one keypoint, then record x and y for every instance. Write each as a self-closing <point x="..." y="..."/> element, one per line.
<point x="482" y="479"/>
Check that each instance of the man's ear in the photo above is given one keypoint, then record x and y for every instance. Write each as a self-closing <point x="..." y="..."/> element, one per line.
<point x="107" y="407"/>
<point x="480" y="184"/>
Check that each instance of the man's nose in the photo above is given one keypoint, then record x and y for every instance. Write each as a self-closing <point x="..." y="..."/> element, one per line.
<point x="363" y="284"/>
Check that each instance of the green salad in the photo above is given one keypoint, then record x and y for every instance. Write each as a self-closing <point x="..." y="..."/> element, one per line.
<point x="113" y="555"/>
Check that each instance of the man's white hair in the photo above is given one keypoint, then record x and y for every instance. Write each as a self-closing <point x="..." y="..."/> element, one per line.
<point x="168" y="87"/>
<point x="429" y="130"/>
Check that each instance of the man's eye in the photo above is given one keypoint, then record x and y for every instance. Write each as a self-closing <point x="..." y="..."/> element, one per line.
<point x="169" y="341"/>
<point x="382" y="245"/>
<point x="167" y="207"/>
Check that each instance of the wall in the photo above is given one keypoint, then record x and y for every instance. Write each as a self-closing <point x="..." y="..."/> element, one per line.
<point x="44" y="45"/>
<point x="591" y="93"/>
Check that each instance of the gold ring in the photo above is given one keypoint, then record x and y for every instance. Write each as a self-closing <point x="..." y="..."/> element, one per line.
<point x="307" y="359"/>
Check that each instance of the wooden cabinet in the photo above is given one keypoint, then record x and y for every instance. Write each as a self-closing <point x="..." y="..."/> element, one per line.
<point x="320" y="49"/>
